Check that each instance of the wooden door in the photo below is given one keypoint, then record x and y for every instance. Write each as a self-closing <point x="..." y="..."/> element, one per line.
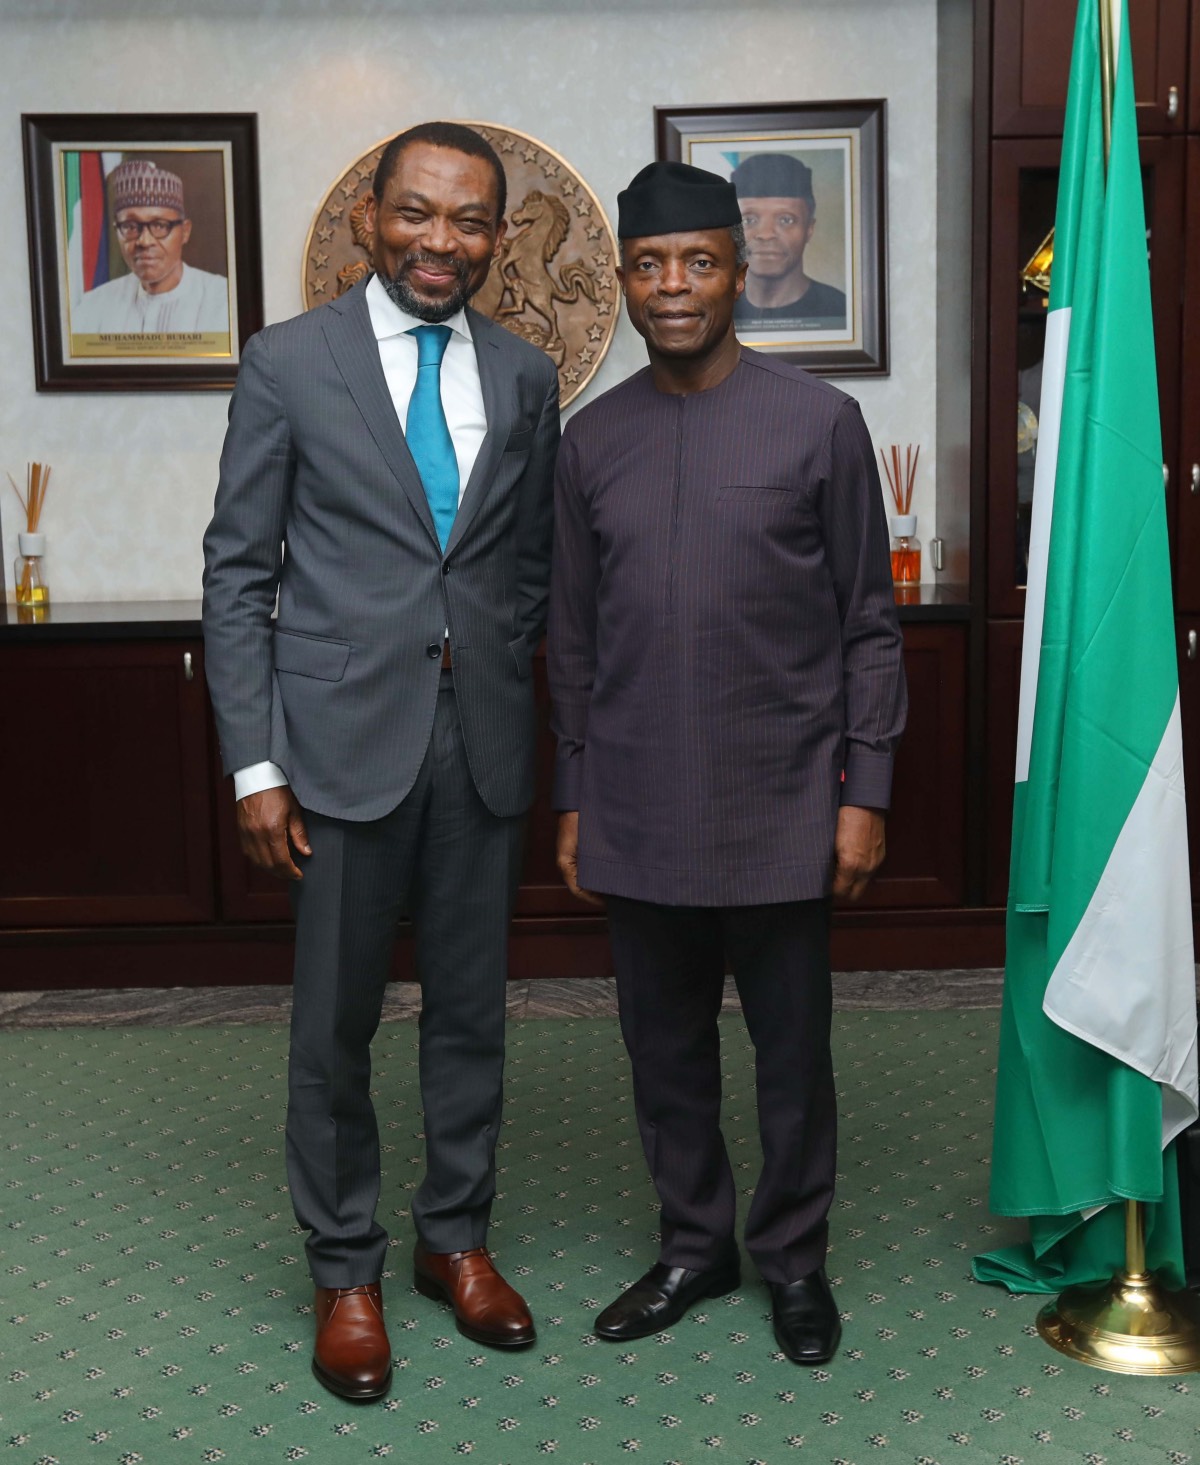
<point x="1031" y="50"/>
<point x="107" y="809"/>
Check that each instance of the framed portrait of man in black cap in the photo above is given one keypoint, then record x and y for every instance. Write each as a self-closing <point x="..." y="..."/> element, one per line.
<point x="144" y="252"/>
<point x="809" y="179"/>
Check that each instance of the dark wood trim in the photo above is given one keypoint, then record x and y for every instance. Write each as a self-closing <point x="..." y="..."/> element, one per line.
<point x="205" y="956"/>
<point x="1187" y="496"/>
<point x="977" y="690"/>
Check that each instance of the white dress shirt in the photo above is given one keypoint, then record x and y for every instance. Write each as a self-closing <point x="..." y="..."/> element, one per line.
<point x="462" y="402"/>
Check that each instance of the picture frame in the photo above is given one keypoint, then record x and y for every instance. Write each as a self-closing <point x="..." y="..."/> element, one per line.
<point x="145" y="251"/>
<point x="818" y="171"/>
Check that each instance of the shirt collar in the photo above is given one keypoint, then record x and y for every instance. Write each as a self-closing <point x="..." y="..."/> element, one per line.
<point x="387" y="319"/>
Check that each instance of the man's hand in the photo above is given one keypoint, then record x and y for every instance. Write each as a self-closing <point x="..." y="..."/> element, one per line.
<point x="859" y="848"/>
<point x="266" y="821"/>
<point x="568" y="856"/>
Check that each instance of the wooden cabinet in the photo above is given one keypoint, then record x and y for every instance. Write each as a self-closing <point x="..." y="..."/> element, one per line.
<point x="1024" y="192"/>
<point x="1032" y="60"/>
<point x="107" y="814"/>
<point x="924" y="864"/>
<point x="124" y="865"/>
<point x="1187" y="469"/>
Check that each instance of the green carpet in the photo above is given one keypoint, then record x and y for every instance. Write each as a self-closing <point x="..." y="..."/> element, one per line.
<point x="156" y="1303"/>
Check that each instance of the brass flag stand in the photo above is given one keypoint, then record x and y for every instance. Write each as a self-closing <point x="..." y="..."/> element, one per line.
<point x="1132" y="1324"/>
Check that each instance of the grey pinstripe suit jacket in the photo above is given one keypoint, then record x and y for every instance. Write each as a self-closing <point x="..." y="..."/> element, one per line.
<point x="340" y="690"/>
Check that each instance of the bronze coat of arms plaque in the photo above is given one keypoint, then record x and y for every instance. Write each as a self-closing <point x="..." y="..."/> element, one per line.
<point x="555" y="281"/>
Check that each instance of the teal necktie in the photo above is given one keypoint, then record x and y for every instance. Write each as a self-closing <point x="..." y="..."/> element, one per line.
<point x="429" y="439"/>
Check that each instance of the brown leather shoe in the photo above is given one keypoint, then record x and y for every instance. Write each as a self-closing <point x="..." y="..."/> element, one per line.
<point x="486" y="1309"/>
<point x="353" y="1357"/>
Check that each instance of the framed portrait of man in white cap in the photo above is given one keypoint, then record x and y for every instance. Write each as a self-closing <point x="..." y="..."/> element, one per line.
<point x="810" y="184"/>
<point x="145" y="259"/>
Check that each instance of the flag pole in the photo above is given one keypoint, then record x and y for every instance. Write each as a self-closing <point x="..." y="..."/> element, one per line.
<point x="1132" y="1324"/>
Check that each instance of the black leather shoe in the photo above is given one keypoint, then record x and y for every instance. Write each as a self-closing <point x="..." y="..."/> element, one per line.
<point x="807" y="1326"/>
<point x="661" y="1298"/>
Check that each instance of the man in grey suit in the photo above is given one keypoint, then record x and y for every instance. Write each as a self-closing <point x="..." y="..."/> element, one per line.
<point x="725" y="663"/>
<point x="381" y="730"/>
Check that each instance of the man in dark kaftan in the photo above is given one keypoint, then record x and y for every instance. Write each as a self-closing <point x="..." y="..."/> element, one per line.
<point x="725" y="663"/>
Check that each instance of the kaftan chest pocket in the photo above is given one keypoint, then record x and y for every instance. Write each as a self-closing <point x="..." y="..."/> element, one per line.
<point x="775" y="495"/>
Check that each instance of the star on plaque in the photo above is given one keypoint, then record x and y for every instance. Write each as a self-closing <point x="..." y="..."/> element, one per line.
<point x="507" y="144"/>
<point x="350" y="187"/>
<point x="365" y="174"/>
<point x="320" y="260"/>
<point x="605" y="281"/>
<point x="318" y="286"/>
<point x="572" y="375"/>
<point x="586" y="355"/>
<point x="324" y="233"/>
<point x="603" y="307"/>
<point x="595" y="333"/>
<point x="335" y="210"/>
<point x="583" y="208"/>
<point x="550" y="168"/>
<point x="594" y="231"/>
<point x="529" y="154"/>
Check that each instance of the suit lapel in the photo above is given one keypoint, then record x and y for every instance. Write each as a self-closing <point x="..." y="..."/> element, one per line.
<point x="347" y="327"/>
<point x="496" y="380"/>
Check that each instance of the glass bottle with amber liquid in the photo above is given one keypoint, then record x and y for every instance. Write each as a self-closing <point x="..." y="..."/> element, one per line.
<point x="29" y="577"/>
<point x="906" y="550"/>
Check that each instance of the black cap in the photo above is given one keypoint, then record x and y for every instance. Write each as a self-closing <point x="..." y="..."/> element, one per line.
<point x="675" y="198"/>
<point x="773" y="175"/>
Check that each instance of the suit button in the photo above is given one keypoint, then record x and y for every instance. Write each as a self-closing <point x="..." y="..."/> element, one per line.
<point x="433" y="651"/>
<point x="445" y="567"/>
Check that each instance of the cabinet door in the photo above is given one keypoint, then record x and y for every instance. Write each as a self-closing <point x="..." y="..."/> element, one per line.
<point x="106" y="806"/>
<point x="1024" y="192"/>
<point x="1031" y="49"/>
<point x="1188" y="628"/>
<point x="1187" y="478"/>
<point x="924" y="864"/>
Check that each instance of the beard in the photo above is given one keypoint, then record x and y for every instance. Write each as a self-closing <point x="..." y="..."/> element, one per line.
<point x="431" y="311"/>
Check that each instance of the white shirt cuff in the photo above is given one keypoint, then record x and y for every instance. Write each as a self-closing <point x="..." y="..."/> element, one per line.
<point x="256" y="778"/>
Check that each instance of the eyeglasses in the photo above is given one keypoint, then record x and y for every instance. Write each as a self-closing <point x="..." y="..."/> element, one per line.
<point x="129" y="229"/>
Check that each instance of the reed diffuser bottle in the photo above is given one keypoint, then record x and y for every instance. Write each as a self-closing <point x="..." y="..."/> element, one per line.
<point x="906" y="547"/>
<point x="29" y="573"/>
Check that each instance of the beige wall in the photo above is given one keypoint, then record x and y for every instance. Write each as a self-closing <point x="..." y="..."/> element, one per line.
<point x="134" y="474"/>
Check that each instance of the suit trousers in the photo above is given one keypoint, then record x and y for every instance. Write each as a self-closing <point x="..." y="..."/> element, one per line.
<point x="443" y="858"/>
<point x="670" y="969"/>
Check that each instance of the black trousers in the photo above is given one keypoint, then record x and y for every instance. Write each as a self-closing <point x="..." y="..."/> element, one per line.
<point x="444" y="859"/>
<point x="670" y="966"/>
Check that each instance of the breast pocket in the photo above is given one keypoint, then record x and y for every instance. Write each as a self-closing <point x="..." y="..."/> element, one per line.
<point x="311" y="656"/>
<point x="520" y="441"/>
<point x="779" y="495"/>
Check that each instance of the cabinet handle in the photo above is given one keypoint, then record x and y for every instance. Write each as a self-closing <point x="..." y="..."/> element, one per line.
<point x="1192" y="647"/>
<point x="188" y="673"/>
<point x="1196" y="477"/>
<point x="1172" y="103"/>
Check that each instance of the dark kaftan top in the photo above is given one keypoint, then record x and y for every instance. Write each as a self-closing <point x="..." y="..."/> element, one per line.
<point x="723" y="643"/>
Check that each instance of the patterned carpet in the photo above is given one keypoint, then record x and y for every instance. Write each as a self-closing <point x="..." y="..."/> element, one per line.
<point x="156" y="1306"/>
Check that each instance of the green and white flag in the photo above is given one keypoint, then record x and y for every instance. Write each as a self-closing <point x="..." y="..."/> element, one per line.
<point x="1098" y="1038"/>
